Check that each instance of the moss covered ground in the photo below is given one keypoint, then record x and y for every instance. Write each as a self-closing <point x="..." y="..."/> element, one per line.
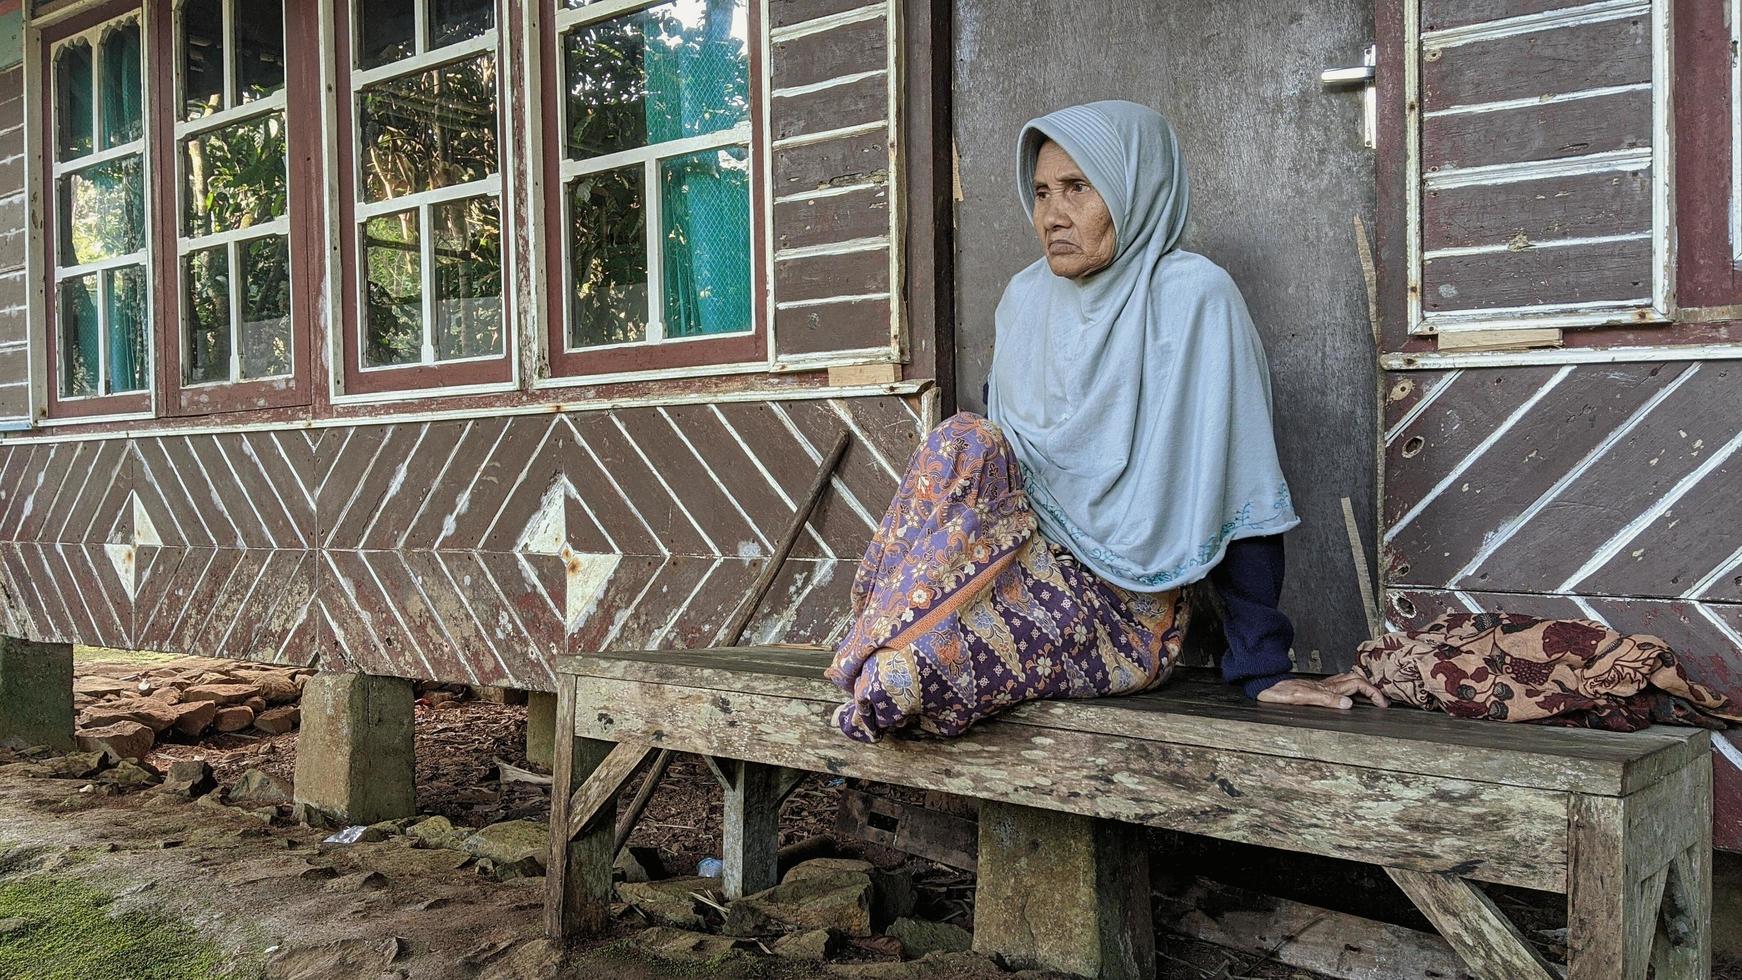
<point x="56" y="928"/>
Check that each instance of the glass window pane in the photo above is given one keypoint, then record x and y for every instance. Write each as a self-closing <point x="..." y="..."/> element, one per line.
<point x="72" y="101"/>
<point x="125" y="298"/>
<point x="468" y="278"/>
<point x="80" y="337"/>
<point x="202" y="57"/>
<point x="102" y="212"/>
<point x="259" y="27"/>
<point x="393" y="311"/>
<point x="429" y="129"/>
<point x="608" y="258"/>
<point x="457" y="20"/>
<point x="265" y="340"/>
<point x="207" y="275"/>
<point x="385" y="31"/>
<point x="121" y="111"/>
<point x="705" y="228"/>
<point x="234" y="177"/>
<point x="679" y="69"/>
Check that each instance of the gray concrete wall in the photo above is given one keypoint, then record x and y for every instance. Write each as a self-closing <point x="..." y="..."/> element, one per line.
<point x="1278" y="173"/>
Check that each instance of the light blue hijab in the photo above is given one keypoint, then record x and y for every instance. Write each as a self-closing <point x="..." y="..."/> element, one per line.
<point x="1137" y="398"/>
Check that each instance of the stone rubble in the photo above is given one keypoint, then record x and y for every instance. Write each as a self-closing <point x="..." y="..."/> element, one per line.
<point x="124" y="710"/>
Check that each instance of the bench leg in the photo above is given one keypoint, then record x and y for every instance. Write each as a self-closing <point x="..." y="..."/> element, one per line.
<point x="1639" y="881"/>
<point x="1058" y="891"/>
<point x="587" y="775"/>
<point x="750" y="840"/>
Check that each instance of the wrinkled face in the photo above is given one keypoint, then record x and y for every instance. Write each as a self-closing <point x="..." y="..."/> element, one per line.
<point x="1072" y="220"/>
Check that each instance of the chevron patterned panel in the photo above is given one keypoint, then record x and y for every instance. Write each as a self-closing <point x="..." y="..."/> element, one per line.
<point x="471" y="550"/>
<point x="1603" y="491"/>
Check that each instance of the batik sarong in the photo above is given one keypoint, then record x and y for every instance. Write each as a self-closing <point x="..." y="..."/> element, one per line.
<point x="962" y="610"/>
<point x="1569" y="672"/>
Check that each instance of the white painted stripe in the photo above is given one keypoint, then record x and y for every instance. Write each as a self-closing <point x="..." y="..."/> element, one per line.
<point x="1469" y="602"/>
<point x="847" y="247"/>
<point x="395" y="483"/>
<point x="362" y="479"/>
<point x="660" y="634"/>
<point x="797" y="304"/>
<point x="484" y="632"/>
<point x="832" y="191"/>
<point x="617" y="420"/>
<point x="290" y="518"/>
<point x="91" y="525"/>
<point x="1711" y="578"/>
<point x="508" y="490"/>
<point x="1416" y="410"/>
<point x="1617" y="312"/>
<point x="823" y="86"/>
<point x="278" y="444"/>
<point x="61" y="487"/>
<point x="461" y="654"/>
<point x="435" y="482"/>
<point x="1475" y="454"/>
<point x="1729" y="632"/>
<point x="506" y="606"/>
<point x="823" y="136"/>
<point x="151" y="479"/>
<point x="247" y="498"/>
<point x="333" y="460"/>
<point x="450" y="520"/>
<point x="1504" y="105"/>
<point x="349" y="589"/>
<point x="1608" y="161"/>
<point x="731" y="498"/>
<point x="628" y="501"/>
<point x="1530" y="246"/>
<point x="406" y="637"/>
<point x="1504" y="533"/>
<point x="1547" y="20"/>
<point x="245" y="608"/>
<point x="835" y="482"/>
<point x="827" y="22"/>
<point x="1726" y="748"/>
<point x="846" y="415"/>
<point x="1664" y="502"/>
<point x="1590" y="613"/>
<point x="624" y="613"/>
<point x="769" y="477"/>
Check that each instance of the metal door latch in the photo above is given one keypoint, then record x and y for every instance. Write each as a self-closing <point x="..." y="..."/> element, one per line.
<point x="1362" y="75"/>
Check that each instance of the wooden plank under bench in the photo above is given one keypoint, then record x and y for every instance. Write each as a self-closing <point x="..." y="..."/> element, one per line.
<point x="1422" y="794"/>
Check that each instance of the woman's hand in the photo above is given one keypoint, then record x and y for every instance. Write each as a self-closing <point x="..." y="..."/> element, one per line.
<point x="1323" y="692"/>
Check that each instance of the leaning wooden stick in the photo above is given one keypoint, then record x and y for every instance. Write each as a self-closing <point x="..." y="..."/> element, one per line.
<point x="741" y="619"/>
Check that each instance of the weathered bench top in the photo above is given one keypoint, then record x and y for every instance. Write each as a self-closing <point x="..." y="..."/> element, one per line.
<point x="1194" y="710"/>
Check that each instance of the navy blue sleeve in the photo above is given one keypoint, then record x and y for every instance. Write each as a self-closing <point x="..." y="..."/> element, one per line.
<point x="1249" y="580"/>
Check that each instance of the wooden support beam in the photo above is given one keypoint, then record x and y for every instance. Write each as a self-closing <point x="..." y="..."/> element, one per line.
<point x="578" y="871"/>
<point x="1684" y="940"/>
<point x="1489" y="943"/>
<point x="603" y="784"/>
<point x="787" y="782"/>
<point x="750" y="842"/>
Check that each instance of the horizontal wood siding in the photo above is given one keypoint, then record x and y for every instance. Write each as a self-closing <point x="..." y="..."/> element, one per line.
<point x="469" y="550"/>
<point x="1534" y="131"/>
<point x="832" y="174"/>
<point x="1589" y="491"/>
<point x="14" y="322"/>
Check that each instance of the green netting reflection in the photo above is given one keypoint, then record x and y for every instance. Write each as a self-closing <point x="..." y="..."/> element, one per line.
<point x="705" y="207"/>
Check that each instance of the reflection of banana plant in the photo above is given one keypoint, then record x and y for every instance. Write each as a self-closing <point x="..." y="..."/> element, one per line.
<point x="236" y="176"/>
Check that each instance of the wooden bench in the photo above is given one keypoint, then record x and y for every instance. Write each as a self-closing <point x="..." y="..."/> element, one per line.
<point x="1621" y="824"/>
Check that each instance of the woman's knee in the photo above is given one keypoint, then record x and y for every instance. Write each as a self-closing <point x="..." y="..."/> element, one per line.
<point x="964" y="424"/>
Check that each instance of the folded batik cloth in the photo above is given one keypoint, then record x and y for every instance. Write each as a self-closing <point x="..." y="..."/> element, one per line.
<point x="1568" y="672"/>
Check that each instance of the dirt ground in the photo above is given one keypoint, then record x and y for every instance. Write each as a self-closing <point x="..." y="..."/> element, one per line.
<point x="148" y="886"/>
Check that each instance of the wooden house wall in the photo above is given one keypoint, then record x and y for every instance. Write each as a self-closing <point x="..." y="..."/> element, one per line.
<point x="1593" y="476"/>
<point x="14" y="321"/>
<point x="465" y="550"/>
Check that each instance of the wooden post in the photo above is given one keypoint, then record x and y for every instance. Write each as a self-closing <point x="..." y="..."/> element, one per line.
<point x="1058" y="891"/>
<point x="578" y="874"/>
<point x="750" y="838"/>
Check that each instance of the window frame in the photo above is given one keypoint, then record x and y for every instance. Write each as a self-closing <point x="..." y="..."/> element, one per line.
<point x="662" y="358"/>
<point x="129" y="404"/>
<point x="353" y="382"/>
<point x="302" y="223"/>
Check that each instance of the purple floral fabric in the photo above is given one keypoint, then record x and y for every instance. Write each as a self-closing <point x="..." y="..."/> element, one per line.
<point x="962" y="610"/>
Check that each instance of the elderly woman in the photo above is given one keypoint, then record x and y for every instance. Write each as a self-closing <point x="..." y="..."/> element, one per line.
<point x="1041" y="552"/>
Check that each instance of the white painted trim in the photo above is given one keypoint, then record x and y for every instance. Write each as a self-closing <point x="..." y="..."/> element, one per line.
<point x="185" y="128"/>
<point x="1412" y="167"/>
<point x="836" y="358"/>
<point x="1470" y="458"/>
<point x="831" y="191"/>
<point x="827" y="300"/>
<point x="1512" y="173"/>
<point x="1429" y="361"/>
<point x="1603" y="555"/>
<point x="418" y="394"/>
<point x="570" y="169"/>
<point x="652" y="374"/>
<point x="828" y="22"/>
<point x="1663" y="223"/>
<point x="762" y="177"/>
<point x="1493" y="247"/>
<point x="490" y="186"/>
<point x="895" y="45"/>
<point x="1722" y="745"/>
<point x="97" y="158"/>
<point x="1504" y="105"/>
<point x="1620" y="313"/>
<point x="277" y="226"/>
<point x="598" y="10"/>
<point x="426" y="60"/>
<point x="805" y="139"/>
<point x="828" y="83"/>
<point x="1711" y="578"/>
<point x="847" y="247"/>
<point x="1547" y="20"/>
<point x="1421" y="406"/>
<point x="65" y="272"/>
